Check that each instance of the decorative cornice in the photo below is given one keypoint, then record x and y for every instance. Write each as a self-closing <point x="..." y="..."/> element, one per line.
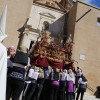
<point x="49" y="7"/>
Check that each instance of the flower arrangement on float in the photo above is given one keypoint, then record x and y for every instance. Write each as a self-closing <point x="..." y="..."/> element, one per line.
<point x="51" y="50"/>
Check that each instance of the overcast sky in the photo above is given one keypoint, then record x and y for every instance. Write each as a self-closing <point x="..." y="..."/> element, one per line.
<point x="93" y="2"/>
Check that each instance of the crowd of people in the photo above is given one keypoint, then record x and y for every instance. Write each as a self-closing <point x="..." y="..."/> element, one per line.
<point x="42" y="83"/>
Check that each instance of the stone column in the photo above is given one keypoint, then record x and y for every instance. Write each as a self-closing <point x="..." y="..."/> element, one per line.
<point x="21" y="56"/>
<point x="22" y="44"/>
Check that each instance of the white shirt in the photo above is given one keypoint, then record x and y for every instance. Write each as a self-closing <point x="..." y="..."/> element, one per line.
<point x="35" y="75"/>
<point x="64" y="76"/>
<point x="31" y="71"/>
<point x="81" y="82"/>
<point x="69" y="78"/>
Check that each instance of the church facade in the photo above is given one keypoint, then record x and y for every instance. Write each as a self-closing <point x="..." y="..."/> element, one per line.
<point x="79" y="21"/>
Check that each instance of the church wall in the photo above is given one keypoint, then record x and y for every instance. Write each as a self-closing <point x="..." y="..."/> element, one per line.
<point x="17" y="14"/>
<point x="86" y="49"/>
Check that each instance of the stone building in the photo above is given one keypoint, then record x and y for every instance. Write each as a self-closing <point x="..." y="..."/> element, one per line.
<point x="76" y="20"/>
<point x="84" y="25"/>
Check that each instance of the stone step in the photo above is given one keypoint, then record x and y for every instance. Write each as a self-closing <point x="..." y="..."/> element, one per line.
<point x="88" y="96"/>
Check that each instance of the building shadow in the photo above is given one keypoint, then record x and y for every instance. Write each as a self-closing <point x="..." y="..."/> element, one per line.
<point x="97" y="93"/>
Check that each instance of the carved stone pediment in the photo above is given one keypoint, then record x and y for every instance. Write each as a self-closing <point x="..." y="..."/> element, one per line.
<point x="48" y="15"/>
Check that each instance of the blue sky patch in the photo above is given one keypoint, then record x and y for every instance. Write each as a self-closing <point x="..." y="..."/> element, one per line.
<point x="93" y="2"/>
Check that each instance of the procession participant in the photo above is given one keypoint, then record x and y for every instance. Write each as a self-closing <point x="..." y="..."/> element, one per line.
<point x="55" y="77"/>
<point x="70" y="85"/>
<point x="77" y="76"/>
<point x="33" y="76"/>
<point x="63" y="79"/>
<point x="40" y="82"/>
<point x="47" y="84"/>
<point x="29" y="72"/>
<point x="3" y="56"/>
<point x="3" y="70"/>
